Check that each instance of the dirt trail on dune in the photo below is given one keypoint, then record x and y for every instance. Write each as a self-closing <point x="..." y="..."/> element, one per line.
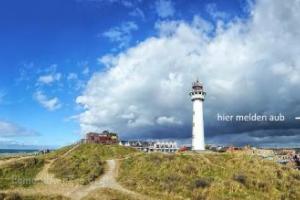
<point x="48" y="178"/>
<point x="108" y="180"/>
<point x="52" y="185"/>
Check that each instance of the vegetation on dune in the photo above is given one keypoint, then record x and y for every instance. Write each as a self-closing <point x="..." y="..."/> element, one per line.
<point x="2" y="158"/>
<point x="85" y="163"/>
<point x="57" y="153"/>
<point x="209" y="176"/>
<point x="20" y="172"/>
<point x="108" y="194"/>
<point x="16" y="196"/>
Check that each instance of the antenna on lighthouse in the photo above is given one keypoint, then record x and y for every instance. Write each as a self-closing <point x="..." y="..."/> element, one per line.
<point x="197" y="96"/>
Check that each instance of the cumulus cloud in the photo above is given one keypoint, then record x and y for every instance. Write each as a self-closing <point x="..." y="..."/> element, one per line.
<point x="8" y="129"/>
<point x="246" y="66"/>
<point x="50" y="104"/>
<point x="164" y="8"/>
<point x="49" y="78"/>
<point x="215" y="13"/>
<point x="121" y="34"/>
<point x="86" y="71"/>
<point x="72" y="76"/>
<point x="137" y="12"/>
<point x="163" y="120"/>
<point x="48" y="75"/>
<point x="125" y="3"/>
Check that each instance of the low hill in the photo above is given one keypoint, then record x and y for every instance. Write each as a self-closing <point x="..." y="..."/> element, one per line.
<point x="86" y="162"/>
<point x="20" y="172"/>
<point x="209" y="176"/>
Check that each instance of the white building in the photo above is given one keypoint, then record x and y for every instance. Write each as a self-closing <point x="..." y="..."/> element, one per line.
<point x="157" y="146"/>
<point x="197" y="96"/>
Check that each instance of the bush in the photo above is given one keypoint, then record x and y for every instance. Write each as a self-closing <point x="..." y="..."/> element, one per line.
<point x="16" y="196"/>
<point x="10" y="196"/>
<point x="202" y="183"/>
<point x="13" y="196"/>
<point x="240" y="178"/>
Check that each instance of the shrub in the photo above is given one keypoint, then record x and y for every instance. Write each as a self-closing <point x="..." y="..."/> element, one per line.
<point x="10" y="196"/>
<point x="240" y="178"/>
<point x="202" y="183"/>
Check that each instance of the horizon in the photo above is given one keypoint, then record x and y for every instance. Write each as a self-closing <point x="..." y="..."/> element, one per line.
<point x="70" y="67"/>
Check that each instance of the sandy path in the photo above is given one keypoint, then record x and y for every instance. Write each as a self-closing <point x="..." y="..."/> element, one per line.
<point x="48" y="178"/>
<point x="108" y="180"/>
<point x="52" y="185"/>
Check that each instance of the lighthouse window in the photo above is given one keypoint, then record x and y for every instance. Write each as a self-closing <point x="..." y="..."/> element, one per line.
<point x="193" y="124"/>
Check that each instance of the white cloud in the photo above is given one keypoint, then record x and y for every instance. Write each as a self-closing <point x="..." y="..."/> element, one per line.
<point x="121" y="34"/>
<point x="137" y="12"/>
<point x="49" y="75"/>
<point x="8" y="129"/>
<point x="72" y="76"/>
<point x="215" y="13"/>
<point x="50" y="104"/>
<point x="164" y="8"/>
<point x="248" y="66"/>
<point x="49" y="78"/>
<point x="86" y="71"/>
<point x="125" y="3"/>
<point x="164" y="120"/>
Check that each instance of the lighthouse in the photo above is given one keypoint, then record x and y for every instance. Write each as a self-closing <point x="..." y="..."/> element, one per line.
<point x="197" y="96"/>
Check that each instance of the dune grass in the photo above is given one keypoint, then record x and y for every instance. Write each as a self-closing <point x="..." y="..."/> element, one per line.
<point x="108" y="194"/>
<point x="86" y="162"/>
<point x="58" y="152"/>
<point x="209" y="176"/>
<point x="16" y="196"/>
<point x="20" y="173"/>
<point x="2" y="158"/>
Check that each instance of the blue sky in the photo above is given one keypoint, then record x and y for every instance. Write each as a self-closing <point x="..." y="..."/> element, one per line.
<point x="50" y="50"/>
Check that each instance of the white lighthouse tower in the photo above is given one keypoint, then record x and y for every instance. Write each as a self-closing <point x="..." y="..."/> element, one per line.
<point x="197" y="96"/>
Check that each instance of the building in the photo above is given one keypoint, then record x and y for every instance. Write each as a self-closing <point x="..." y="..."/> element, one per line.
<point x="101" y="138"/>
<point x="197" y="96"/>
<point x="157" y="146"/>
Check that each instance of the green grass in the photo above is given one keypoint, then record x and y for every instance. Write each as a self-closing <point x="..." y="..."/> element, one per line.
<point x="108" y="194"/>
<point x="3" y="158"/>
<point x="86" y="162"/>
<point x="59" y="152"/>
<point x="209" y="176"/>
<point x="16" y="196"/>
<point x="20" y="173"/>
